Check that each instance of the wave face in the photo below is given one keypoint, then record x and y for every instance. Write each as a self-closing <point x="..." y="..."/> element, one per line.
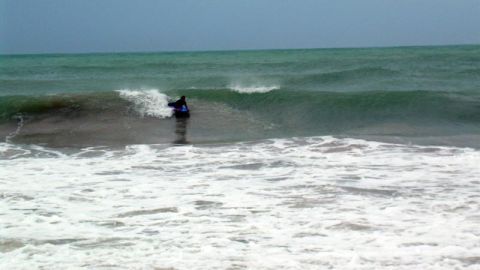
<point x="402" y="93"/>
<point x="142" y="116"/>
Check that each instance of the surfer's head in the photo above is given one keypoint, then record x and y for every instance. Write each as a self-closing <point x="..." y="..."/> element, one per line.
<point x="182" y="98"/>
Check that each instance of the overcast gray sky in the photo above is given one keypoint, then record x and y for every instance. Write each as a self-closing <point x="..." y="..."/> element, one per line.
<point x="69" y="26"/>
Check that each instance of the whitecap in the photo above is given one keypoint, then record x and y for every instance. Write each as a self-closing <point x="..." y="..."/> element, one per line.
<point x="249" y="89"/>
<point x="148" y="102"/>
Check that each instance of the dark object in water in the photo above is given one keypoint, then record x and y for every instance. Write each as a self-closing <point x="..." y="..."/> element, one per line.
<point x="182" y="114"/>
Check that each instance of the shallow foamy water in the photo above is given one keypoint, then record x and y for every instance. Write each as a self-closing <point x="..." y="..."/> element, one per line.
<point x="305" y="203"/>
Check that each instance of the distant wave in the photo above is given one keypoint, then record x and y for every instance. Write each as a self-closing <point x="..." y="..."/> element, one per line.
<point x="346" y="76"/>
<point x="253" y="88"/>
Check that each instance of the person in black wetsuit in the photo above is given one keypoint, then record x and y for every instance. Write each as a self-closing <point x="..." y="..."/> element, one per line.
<point x="179" y="103"/>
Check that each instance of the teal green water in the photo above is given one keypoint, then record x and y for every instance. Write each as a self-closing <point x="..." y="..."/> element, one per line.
<point x="411" y="92"/>
<point x="380" y="69"/>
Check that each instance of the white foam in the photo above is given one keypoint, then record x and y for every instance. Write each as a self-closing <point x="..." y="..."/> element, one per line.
<point x="20" y="123"/>
<point x="300" y="203"/>
<point x="148" y="102"/>
<point x="249" y="89"/>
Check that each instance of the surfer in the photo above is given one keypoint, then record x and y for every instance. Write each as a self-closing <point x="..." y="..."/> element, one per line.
<point x="180" y="103"/>
<point x="180" y="107"/>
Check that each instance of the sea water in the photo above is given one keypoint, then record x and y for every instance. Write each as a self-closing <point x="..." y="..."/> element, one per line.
<point x="291" y="159"/>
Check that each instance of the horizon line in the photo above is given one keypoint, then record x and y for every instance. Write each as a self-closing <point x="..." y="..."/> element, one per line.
<point x="237" y="50"/>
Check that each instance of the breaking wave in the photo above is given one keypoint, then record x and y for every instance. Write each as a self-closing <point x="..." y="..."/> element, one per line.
<point x="148" y="102"/>
<point x="253" y="88"/>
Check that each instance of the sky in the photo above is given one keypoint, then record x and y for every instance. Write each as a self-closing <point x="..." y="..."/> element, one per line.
<point x="82" y="26"/>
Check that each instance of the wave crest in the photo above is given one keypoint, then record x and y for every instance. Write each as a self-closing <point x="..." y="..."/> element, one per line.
<point x="148" y="102"/>
<point x="253" y="88"/>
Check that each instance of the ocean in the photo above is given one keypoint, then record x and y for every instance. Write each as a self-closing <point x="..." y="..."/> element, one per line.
<point x="291" y="159"/>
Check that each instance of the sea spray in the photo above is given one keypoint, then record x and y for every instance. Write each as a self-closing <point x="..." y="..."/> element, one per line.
<point x="249" y="89"/>
<point x="148" y="102"/>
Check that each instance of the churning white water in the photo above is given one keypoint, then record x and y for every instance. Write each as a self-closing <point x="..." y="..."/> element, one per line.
<point x="149" y="102"/>
<point x="300" y="203"/>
